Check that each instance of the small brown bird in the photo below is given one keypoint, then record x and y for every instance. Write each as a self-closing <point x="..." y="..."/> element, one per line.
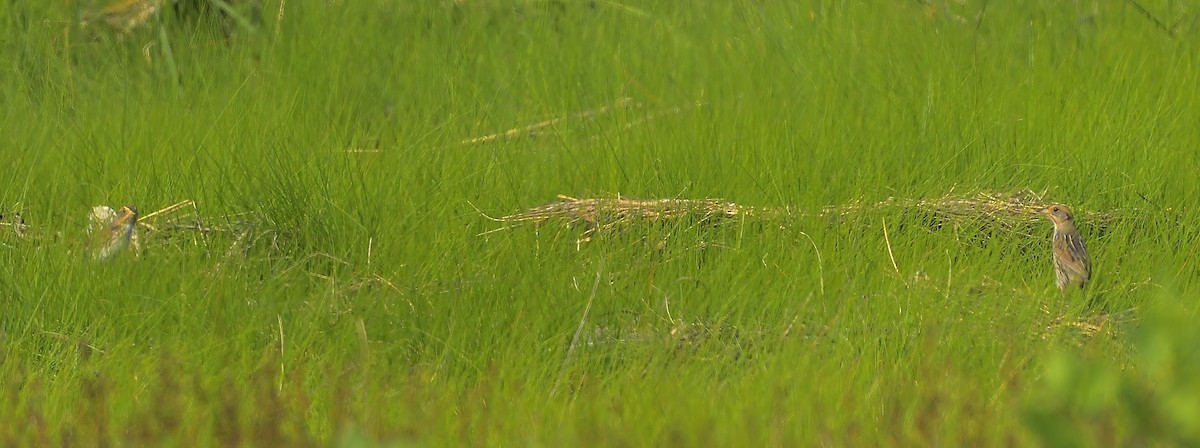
<point x="114" y="232"/>
<point x="1071" y="261"/>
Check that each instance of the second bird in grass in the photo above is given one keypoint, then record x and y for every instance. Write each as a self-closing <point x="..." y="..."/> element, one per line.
<point x="1071" y="261"/>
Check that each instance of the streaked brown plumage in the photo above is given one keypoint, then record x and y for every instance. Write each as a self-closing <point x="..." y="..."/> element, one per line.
<point x="1072" y="265"/>
<point x="113" y="236"/>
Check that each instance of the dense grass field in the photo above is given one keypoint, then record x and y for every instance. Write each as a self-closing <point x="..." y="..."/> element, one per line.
<point x="324" y="260"/>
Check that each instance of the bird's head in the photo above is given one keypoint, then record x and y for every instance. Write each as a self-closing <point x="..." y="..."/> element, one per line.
<point x="1058" y="213"/>
<point x="127" y="215"/>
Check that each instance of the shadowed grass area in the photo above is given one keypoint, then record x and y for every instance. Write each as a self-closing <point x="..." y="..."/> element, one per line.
<point x="318" y="265"/>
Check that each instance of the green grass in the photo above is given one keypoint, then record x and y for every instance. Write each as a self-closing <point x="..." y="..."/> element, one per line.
<point x="353" y="292"/>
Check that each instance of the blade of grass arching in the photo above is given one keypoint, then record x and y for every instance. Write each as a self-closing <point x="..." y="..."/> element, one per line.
<point x="1152" y="18"/>
<point x="578" y="331"/>
<point x="241" y="21"/>
<point x="168" y="54"/>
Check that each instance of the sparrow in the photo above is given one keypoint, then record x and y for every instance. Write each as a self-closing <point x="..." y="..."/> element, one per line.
<point x="114" y="231"/>
<point x="1072" y="265"/>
